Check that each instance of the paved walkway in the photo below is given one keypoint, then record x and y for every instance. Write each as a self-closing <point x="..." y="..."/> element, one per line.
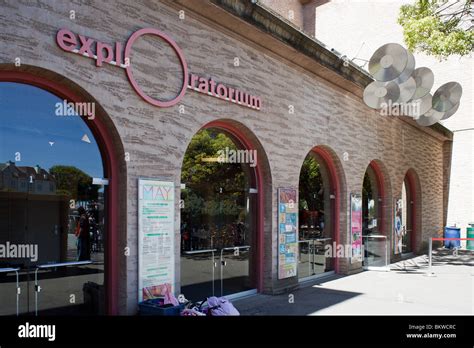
<point x="405" y="290"/>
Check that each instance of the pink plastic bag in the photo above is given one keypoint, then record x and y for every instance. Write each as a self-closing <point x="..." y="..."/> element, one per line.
<point x="221" y="306"/>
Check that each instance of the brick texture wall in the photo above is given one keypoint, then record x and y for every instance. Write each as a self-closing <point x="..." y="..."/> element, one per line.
<point x="291" y="10"/>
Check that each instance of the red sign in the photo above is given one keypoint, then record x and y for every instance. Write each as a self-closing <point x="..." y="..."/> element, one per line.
<point x="102" y="52"/>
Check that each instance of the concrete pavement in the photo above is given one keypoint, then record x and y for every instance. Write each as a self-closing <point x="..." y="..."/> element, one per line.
<point x="405" y="290"/>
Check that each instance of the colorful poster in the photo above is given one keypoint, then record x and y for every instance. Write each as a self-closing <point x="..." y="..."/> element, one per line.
<point x="287" y="232"/>
<point x="398" y="228"/>
<point x="155" y="238"/>
<point x="356" y="227"/>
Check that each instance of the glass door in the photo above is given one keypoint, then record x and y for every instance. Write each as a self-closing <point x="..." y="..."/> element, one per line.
<point x="238" y="250"/>
<point x="218" y="219"/>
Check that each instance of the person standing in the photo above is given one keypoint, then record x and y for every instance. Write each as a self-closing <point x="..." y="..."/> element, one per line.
<point x="83" y="237"/>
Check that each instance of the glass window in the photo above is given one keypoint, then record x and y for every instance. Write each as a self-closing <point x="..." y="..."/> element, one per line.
<point x="54" y="157"/>
<point x="218" y="229"/>
<point x="369" y="204"/>
<point x="406" y="212"/>
<point x="375" y="243"/>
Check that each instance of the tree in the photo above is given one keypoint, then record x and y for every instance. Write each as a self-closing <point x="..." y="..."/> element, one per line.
<point x="310" y="187"/>
<point x="438" y="27"/>
<point x="208" y="182"/>
<point x="215" y="197"/>
<point x="368" y="195"/>
<point x="74" y="183"/>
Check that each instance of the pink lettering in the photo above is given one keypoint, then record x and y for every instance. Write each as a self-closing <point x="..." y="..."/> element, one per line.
<point x="203" y="85"/>
<point x="194" y="79"/>
<point x="221" y="91"/>
<point x="66" y="40"/>
<point x="86" y="46"/>
<point x="231" y="94"/>
<point x="100" y="53"/>
<point x="212" y="83"/>
<point x="118" y="53"/>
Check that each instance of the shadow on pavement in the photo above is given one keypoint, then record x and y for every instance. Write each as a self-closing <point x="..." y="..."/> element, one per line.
<point x="440" y="257"/>
<point x="305" y="301"/>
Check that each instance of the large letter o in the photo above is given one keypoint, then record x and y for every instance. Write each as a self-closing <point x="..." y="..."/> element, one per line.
<point x="178" y="52"/>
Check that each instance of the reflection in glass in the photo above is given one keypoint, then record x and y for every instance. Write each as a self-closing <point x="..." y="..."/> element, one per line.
<point x="376" y="251"/>
<point x="406" y="219"/>
<point x="217" y="220"/>
<point x="46" y="171"/>
<point x="369" y="204"/>
<point x="370" y="215"/>
<point x="315" y="230"/>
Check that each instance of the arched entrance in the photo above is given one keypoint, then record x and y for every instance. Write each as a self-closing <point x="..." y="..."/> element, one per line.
<point x="407" y="239"/>
<point x="49" y="159"/>
<point x="375" y="209"/>
<point x="319" y="206"/>
<point x="221" y="216"/>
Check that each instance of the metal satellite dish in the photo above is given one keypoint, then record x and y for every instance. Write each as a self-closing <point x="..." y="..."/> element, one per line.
<point x="447" y="96"/>
<point x="408" y="71"/>
<point x="407" y="90"/>
<point x="451" y="112"/>
<point x="388" y="62"/>
<point x="378" y="93"/>
<point x="425" y="104"/>
<point x="424" y="79"/>
<point x="430" y="118"/>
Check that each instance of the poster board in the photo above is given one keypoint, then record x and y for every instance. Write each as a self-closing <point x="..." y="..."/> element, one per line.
<point x="356" y="227"/>
<point x="156" y="201"/>
<point x="287" y="233"/>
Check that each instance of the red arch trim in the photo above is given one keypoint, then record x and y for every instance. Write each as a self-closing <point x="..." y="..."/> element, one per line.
<point x="109" y="154"/>
<point x="336" y="188"/>
<point x="242" y="137"/>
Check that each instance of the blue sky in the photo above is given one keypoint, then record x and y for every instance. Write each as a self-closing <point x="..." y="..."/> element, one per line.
<point x="28" y="123"/>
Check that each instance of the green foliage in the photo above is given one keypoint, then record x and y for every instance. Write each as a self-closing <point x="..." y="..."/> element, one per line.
<point x="437" y="28"/>
<point x="310" y="186"/>
<point x="212" y="188"/>
<point x="74" y="183"/>
<point x="367" y="186"/>
<point x="367" y="196"/>
<point x="205" y="144"/>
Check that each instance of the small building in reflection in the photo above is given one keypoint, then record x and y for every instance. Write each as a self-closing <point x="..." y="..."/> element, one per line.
<point x="34" y="180"/>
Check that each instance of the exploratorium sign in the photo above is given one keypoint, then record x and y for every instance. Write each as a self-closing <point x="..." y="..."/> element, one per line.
<point x="105" y="53"/>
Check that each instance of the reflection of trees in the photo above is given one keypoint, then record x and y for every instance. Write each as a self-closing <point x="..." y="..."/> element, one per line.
<point x="212" y="188"/>
<point x="215" y="193"/>
<point x="311" y="183"/>
<point x="228" y="235"/>
<point x="368" y="210"/>
<point x="368" y="195"/>
<point x="74" y="183"/>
